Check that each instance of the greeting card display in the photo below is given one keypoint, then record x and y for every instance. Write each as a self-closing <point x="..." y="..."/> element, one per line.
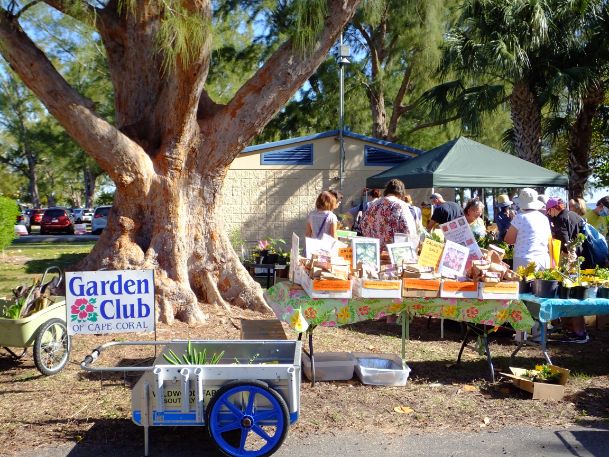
<point x="458" y="231"/>
<point x="454" y="258"/>
<point x="367" y="251"/>
<point x="400" y="253"/>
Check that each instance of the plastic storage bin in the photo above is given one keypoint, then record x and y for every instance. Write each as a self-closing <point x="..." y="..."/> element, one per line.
<point x="329" y="366"/>
<point x="381" y="369"/>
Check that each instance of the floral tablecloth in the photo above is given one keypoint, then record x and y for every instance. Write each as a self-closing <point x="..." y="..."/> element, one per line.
<point x="553" y="308"/>
<point x="291" y="304"/>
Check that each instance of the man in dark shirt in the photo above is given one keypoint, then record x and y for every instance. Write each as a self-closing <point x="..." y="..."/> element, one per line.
<point x="565" y="224"/>
<point x="443" y="211"/>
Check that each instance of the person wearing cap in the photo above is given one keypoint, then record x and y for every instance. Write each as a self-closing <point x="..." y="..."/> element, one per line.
<point x="443" y="211"/>
<point x="599" y="216"/>
<point x="565" y="224"/>
<point x="530" y="232"/>
<point x="504" y="215"/>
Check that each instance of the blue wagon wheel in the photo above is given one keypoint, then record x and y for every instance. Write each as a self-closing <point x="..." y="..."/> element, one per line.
<point x="247" y="419"/>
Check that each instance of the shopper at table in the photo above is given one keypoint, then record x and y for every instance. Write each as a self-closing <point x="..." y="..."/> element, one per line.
<point x="368" y="196"/>
<point x="504" y="215"/>
<point x="389" y="215"/>
<point x="473" y="213"/>
<point x="599" y="216"/>
<point x="322" y="219"/>
<point x="443" y="211"/>
<point x="415" y="211"/>
<point x="530" y="232"/>
<point x="578" y="205"/>
<point x="565" y="224"/>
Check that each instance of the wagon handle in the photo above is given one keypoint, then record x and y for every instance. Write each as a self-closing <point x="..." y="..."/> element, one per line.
<point x="97" y="352"/>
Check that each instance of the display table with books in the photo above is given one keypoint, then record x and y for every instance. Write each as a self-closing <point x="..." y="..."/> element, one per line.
<point x="291" y="304"/>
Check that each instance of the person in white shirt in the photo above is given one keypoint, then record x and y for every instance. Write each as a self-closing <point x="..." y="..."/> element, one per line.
<point x="322" y="219"/>
<point x="530" y="232"/>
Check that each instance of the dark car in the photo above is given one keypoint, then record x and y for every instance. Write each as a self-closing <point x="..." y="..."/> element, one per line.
<point x="56" y="220"/>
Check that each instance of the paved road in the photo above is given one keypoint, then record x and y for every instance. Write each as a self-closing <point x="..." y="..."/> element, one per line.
<point x="521" y="441"/>
<point x="35" y="238"/>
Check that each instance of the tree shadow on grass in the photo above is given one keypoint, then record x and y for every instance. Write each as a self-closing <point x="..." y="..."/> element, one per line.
<point x="64" y="261"/>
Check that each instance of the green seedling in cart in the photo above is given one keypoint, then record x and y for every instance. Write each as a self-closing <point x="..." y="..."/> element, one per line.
<point x="194" y="356"/>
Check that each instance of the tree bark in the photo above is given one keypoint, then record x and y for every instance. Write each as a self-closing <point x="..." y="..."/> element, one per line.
<point x="580" y="138"/>
<point x="526" y="118"/>
<point x="171" y="149"/>
<point x="89" y="182"/>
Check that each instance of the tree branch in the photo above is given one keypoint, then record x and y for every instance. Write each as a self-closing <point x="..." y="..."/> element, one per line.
<point x="124" y="161"/>
<point x="79" y="13"/>
<point x="398" y="108"/>
<point x="434" y="123"/>
<point x="261" y="97"/>
<point x="25" y="8"/>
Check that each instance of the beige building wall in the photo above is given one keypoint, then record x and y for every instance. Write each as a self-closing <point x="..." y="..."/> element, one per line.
<point x="261" y="201"/>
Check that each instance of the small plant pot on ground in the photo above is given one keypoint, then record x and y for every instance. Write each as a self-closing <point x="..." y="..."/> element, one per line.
<point x="546" y="288"/>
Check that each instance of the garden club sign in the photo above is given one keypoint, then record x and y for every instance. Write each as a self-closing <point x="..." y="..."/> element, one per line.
<point x="118" y="301"/>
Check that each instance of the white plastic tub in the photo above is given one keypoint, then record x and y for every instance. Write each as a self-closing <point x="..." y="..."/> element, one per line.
<point x="381" y="369"/>
<point x="329" y="366"/>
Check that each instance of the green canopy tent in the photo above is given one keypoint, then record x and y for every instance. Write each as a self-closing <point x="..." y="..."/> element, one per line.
<point x="467" y="163"/>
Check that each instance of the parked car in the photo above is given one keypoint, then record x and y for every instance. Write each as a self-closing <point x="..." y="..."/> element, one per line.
<point x="56" y="219"/>
<point x="35" y="217"/>
<point x="81" y="215"/>
<point x="23" y="219"/>
<point x="100" y="219"/>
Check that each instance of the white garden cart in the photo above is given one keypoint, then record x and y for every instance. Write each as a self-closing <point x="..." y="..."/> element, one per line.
<point x="247" y="399"/>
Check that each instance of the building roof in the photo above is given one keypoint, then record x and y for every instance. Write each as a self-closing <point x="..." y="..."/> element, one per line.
<point x="330" y="133"/>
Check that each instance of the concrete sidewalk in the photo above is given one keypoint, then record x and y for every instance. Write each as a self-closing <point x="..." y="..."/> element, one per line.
<point x="520" y="441"/>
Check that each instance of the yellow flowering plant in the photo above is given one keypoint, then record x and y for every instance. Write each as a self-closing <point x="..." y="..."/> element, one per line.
<point x="543" y="373"/>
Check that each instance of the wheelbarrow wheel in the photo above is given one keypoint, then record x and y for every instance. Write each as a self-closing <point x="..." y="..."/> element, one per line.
<point x="51" y="347"/>
<point x="247" y="419"/>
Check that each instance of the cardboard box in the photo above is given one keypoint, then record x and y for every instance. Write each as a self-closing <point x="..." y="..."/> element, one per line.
<point x="420" y="288"/>
<point x="458" y="289"/>
<point x="602" y="321"/>
<point x="507" y="290"/>
<point x="326" y="288"/>
<point x="540" y="390"/>
<point x="374" y="288"/>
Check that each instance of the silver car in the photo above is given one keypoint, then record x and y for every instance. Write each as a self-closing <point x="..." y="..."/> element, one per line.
<point x="100" y="219"/>
<point x="82" y="215"/>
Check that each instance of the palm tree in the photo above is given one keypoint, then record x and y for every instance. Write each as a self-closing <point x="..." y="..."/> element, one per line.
<point x="506" y="51"/>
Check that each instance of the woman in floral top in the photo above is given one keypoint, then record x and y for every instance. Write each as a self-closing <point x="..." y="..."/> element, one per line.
<point x="389" y="215"/>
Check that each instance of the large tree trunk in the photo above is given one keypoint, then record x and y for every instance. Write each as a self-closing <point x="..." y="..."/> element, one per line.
<point x="526" y="118"/>
<point x="171" y="148"/>
<point x="580" y="138"/>
<point x="173" y="229"/>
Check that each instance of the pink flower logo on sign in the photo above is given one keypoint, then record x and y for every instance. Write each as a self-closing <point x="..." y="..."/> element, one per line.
<point x="83" y="310"/>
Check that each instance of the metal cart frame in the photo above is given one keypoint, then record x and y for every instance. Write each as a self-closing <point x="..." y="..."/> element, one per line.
<point x="256" y="386"/>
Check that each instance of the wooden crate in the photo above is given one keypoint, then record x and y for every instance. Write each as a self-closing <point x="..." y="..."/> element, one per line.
<point x="263" y="329"/>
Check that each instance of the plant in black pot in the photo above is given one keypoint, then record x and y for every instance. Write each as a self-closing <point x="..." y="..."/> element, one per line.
<point x="527" y="277"/>
<point x="601" y="279"/>
<point x="546" y="283"/>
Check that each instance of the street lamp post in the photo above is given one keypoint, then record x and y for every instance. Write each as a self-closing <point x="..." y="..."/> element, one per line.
<point x="344" y="53"/>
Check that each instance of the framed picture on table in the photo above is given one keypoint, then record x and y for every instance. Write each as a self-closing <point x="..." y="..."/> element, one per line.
<point x="367" y="251"/>
<point x="454" y="258"/>
<point x="400" y="253"/>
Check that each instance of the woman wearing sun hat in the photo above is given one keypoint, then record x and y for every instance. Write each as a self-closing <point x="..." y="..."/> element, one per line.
<point x="530" y="232"/>
<point x="504" y="215"/>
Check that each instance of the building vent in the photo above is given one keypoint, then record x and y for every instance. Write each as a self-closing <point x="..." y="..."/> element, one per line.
<point x="300" y="155"/>
<point x="376" y="157"/>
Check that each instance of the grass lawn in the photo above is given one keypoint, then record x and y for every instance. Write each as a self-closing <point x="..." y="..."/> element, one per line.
<point x="21" y="262"/>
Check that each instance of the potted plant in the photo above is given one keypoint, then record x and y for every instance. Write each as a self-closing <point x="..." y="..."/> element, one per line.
<point x="602" y="278"/>
<point x="546" y="283"/>
<point x="527" y="278"/>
